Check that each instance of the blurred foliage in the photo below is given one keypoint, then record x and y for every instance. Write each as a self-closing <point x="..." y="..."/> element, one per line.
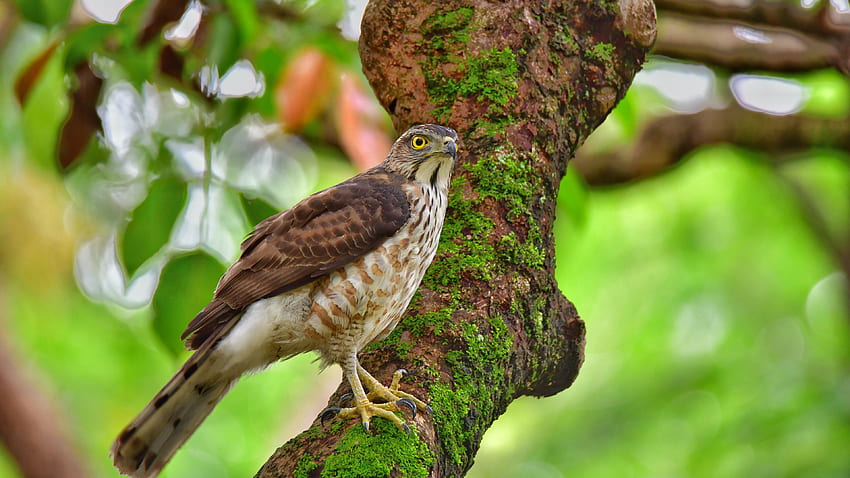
<point x="718" y="344"/>
<point x="717" y="341"/>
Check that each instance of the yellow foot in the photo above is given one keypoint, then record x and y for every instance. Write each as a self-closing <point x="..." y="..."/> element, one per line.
<point x="378" y="392"/>
<point x="366" y="410"/>
<point x="381" y="401"/>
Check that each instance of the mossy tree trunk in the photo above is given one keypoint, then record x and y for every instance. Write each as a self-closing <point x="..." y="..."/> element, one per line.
<point x="523" y="83"/>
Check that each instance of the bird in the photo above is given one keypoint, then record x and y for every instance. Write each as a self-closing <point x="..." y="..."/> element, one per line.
<point x="330" y="275"/>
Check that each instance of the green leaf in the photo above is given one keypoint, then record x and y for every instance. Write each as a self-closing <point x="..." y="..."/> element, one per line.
<point x="185" y="287"/>
<point x="81" y="43"/>
<point x="828" y="93"/>
<point x="256" y="209"/>
<point x="223" y="47"/>
<point x="44" y="112"/>
<point x="246" y="18"/>
<point x="45" y="12"/>
<point x="152" y="221"/>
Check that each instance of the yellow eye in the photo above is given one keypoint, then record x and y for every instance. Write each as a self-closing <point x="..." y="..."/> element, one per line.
<point x="418" y="142"/>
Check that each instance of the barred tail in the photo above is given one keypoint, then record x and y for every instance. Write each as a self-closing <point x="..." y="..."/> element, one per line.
<point x="146" y="445"/>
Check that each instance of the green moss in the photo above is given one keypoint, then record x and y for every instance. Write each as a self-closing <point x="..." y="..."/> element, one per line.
<point x="451" y="408"/>
<point x="528" y="253"/>
<point x="416" y="325"/>
<point x="535" y="318"/>
<point x="402" y="347"/>
<point x="304" y="466"/>
<point x="508" y="179"/>
<point x="419" y="324"/>
<point x="600" y="52"/>
<point x="336" y="427"/>
<point x="610" y="6"/>
<point x="385" y="451"/>
<point x="489" y="76"/>
<point x="477" y="376"/>
<point x="449" y="28"/>
<point x="563" y="41"/>
<point x="534" y="321"/>
<point x="465" y="250"/>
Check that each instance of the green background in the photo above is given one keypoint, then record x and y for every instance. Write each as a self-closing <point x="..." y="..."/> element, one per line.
<point x="717" y="341"/>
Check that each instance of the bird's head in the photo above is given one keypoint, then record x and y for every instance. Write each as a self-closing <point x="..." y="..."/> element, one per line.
<point x="425" y="153"/>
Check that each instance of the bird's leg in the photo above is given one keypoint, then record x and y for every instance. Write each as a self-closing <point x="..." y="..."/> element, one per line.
<point x="392" y="393"/>
<point x="364" y="408"/>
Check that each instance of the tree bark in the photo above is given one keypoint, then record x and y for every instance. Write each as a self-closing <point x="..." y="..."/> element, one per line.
<point x="523" y="83"/>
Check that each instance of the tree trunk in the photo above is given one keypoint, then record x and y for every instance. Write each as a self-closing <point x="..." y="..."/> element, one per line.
<point x="32" y="429"/>
<point x="523" y="83"/>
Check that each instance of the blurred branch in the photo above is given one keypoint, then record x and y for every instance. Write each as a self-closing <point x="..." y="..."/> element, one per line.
<point x="665" y="141"/>
<point x="739" y="36"/>
<point x="814" y="216"/>
<point x="758" y="35"/>
<point x="819" y="20"/>
<point x="739" y="47"/>
<point x="31" y="429"/>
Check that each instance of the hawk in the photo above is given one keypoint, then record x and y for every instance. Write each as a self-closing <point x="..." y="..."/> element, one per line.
<point x="331" y="275"/>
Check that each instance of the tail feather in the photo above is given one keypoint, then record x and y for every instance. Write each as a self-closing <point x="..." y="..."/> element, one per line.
<point x="146" y="445"/>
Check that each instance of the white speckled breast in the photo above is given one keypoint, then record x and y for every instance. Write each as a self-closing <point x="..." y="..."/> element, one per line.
<point x="365" y="300"/>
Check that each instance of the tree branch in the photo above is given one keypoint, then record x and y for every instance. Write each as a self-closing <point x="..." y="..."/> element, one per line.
<point x="665" y="141"/>
<point x="746" y="46"/>
<point x="822" y="19"/>
<point x="523" y="83"/>
<point x="754" y="35"/>
<point x="30" y="428"/>
<point x="814" y="216"/>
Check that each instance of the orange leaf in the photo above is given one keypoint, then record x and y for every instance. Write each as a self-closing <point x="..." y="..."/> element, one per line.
<point x="361" y="123"/>
<point x="303" y="89"/>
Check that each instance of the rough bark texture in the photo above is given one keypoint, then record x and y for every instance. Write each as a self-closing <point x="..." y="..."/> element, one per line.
<point x="524" y="83"/>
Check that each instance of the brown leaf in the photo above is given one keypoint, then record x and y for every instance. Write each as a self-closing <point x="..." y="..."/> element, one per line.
<point x="361" y="123"/>
<point x="83" y="120"/>
<point x="303" y="89"/>
<point x="165" y="12"/>
<point x="29" y="77"/>
<point x="171" y="62"/>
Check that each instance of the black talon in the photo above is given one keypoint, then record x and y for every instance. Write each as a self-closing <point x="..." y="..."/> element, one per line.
<point x="403" y="372"/>
<point x="329" y="413"/>
<point x="366" y="426"/>
<point x="406" y="429"/>
<point x="406" y="402"/>
<point x="428" y="409"/>
<point x="346" y="397"/>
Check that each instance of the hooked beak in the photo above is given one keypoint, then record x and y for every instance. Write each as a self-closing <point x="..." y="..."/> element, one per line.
<point x="449" y="146"/>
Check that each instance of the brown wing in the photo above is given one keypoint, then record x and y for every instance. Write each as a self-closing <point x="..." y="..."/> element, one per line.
<point x="317" y="236"/>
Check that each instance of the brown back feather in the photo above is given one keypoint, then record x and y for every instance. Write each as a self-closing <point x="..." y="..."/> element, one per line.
<point x="318" y="235"/>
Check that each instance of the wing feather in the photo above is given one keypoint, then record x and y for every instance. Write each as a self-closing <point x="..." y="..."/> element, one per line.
<point x="320" y="234"/>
